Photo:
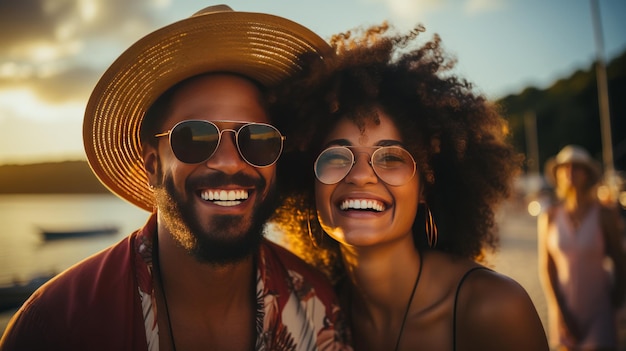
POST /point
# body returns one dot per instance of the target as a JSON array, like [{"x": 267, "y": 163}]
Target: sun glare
[
  {"x": 32, "y": 130},
  {"x": 88, "y": 10},
  {"x": 24, "y": 104},
  {"x": 44, "y": 53}
]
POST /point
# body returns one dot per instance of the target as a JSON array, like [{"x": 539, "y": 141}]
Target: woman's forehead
[{"x": 370, "y": 133}]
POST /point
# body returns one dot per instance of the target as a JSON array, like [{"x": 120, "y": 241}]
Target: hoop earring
[
  {"x": 311, "y": 235},
  {"x": 432, "y": 233}
]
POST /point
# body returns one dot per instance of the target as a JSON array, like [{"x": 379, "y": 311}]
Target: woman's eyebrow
[
  {"x": 346, "y": 142},
  {"x": 337, "y": 142},
  {"x": 389, "y": 142}
]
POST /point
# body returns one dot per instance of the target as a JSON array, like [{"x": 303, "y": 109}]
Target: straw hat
[
  {"x": 263, "y": 47},
  {"x": 572, "y": 154}
]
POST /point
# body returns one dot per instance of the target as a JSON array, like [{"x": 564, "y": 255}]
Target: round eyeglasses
[
  {"x": 394, "y": 165},
  {"x": 195, "y": 141}
]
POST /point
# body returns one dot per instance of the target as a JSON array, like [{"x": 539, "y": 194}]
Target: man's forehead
[{"x": 218, "y": 97}]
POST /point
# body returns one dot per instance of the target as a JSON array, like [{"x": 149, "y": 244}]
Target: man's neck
[
  {"x": 194, "y": 281},
  {"x": 206, "y": 304}
]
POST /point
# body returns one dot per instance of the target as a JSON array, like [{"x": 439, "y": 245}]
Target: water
[{"x": 25, "y": 255}]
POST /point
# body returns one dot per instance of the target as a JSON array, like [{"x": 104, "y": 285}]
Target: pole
[
  {"x": 532, "y": 152},
  {"x": 603, "y": 100}
]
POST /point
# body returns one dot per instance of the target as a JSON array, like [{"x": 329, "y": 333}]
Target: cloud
[
  {"x": 411, "y": 9},
  {"x": 71, "y": 84},
  {"x": 58, "y": 28},
  {"x": 56, "y": 48},
  {"x": 405, "y": 14},
  {"x": 52, "y": 53},
  {"x": 473, "y": 7}
]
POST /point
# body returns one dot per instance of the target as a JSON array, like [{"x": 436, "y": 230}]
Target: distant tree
[
  {"x": 70, "y": 177},
  {"x": 567, "y": 113}
]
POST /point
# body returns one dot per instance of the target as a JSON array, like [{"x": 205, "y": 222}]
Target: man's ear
[{"x": 150, "y": 163}]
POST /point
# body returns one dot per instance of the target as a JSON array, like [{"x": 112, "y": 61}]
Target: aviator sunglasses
[
  {"x": 394, "y": 165},
  {"x": 195, "y": 141}
]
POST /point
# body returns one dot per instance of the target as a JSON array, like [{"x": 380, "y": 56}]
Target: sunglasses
[
  {"x": 394, "y": 165},
  {"x": 195, "y": 141}
]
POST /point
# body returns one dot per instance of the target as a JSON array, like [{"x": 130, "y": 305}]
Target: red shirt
[{"x": 97, "y": 304}]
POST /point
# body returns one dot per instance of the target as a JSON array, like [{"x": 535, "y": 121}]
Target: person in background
[
  {"x": 179, "y": 126},
  {"x": 576, "y": 235},
  {"x": 402, "y": 167}
]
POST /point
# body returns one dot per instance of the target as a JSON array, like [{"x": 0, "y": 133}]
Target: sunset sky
[{"x": 52, "y": 52}]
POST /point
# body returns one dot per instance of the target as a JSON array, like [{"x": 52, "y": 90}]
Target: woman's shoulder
[
  {"x": 446, "y": 272},
  {"x": 493, "y": 305},
  {"x": 492, "y": 287},
  {"x": 472, "y": 281},
  {"x": 479, "y": 288},
  {"x": 490, "y": 297}
]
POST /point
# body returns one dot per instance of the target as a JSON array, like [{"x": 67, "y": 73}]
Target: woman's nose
[{"x": 362, "y": 172}]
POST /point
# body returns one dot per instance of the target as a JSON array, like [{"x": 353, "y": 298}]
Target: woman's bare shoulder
[
  {"x": 496, "y": 312},
  {"x": 491, "y": 288}
]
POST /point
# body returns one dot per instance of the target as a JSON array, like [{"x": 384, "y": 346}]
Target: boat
[
  {"x": 13, "y": 296},
  {"x": 56, "y": 234}
]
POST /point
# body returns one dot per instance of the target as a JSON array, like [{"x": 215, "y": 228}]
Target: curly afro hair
[{"x": 458, "y": 139}]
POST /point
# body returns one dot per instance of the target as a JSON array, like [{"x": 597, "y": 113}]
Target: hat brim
[
  {"x": 263, "y": 47},
  {"x": 551, "y": 164}
]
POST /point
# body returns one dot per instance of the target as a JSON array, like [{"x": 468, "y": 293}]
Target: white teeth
[
  {"x": 227, "y": 203},
  {"x": 224, "y": 197},
  {"x": 362, "y": 205}
]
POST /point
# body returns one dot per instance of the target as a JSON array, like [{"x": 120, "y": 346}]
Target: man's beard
[{"x": 228, "y": 239}]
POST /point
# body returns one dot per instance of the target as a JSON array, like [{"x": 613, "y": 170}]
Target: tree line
[{"x": 567, "y": 113}]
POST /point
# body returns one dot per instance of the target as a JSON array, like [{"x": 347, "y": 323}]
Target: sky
[{"x": 52, "y": 52}]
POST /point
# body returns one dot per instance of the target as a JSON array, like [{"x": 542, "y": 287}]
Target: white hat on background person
[{"x": 572, "y": 154}]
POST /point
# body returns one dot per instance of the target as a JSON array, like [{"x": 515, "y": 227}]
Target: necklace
[
  {"x": 408, "y": 305},
  {"x": 157, "y": 271}
]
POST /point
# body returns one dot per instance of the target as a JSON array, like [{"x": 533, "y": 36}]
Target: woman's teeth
[{"x": 362, "y": 205}]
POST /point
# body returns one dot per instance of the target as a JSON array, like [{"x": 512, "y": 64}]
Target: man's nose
[{"x": 227, "y": 158}]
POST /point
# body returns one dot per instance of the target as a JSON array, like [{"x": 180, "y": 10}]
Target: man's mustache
[{"x": 218, "y": 179}]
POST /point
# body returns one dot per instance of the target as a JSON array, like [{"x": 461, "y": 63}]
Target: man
[{"x": 178, "y": 126}]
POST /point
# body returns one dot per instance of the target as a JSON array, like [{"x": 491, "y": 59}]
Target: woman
[
  {"x": 576, "y": 234},
  {"x": 409, "y": 165}
]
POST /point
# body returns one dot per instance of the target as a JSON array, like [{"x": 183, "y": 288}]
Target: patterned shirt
[{"x": 107, "y": 302}]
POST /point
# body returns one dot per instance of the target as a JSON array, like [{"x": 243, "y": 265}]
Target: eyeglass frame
[
  {"x": 370, "y": 161},
  {"x": 219, "y": 138}
]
